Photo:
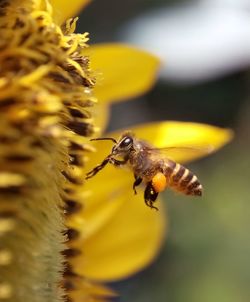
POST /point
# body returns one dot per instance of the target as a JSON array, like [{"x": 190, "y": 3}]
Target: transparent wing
[
  {"x": 171, "y": 133},
  {"x": 182, "y": 153}
]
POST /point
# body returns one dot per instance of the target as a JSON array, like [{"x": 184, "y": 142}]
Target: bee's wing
[{"x": 182, "y": 153}]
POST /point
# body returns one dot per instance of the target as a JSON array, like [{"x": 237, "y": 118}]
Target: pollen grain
[{"x": 159, "y": 182}]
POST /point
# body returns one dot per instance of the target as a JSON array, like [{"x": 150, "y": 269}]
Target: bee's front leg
[
  {"x": 150, "y": 196},
  {"x": 116, "y": 162},
  {"x": 98, "y": 168},
  {"x": 136, "y": 183},
  {"x": 107, "y": 160}
]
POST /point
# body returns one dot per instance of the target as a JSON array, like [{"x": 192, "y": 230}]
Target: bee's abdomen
[{"x": 183, "y": 180}]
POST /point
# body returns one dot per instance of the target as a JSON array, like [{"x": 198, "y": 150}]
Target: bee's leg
[
  {"x": 97, "y": 168},
  {"x": 136, "y": 183},
  {"x": 116, "y": 162},
  {"x": 150, "y": 196},
  {"x": 108, "y": 159}
]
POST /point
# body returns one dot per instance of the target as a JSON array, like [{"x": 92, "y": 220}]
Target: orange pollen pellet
[{"x": 159, "y": 182}]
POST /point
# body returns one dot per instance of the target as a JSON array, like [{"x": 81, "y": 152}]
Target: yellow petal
[
  {"x": 103, "y": 201},
  {"x": 101, "y": 114},
  {"x": 203, "y": 139},
  {"x": 122, "y": 71},
  {"x": 64, "y": 9},
  {"x": 83, "y": 290},
  {"x": 126, "y": 244},
  {"x": 104, "y": 196}
]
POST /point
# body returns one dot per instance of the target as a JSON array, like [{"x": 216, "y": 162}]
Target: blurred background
[{"x": 205, "y": 50}]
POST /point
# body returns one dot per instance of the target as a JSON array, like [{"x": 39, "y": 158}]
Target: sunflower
[{"x": 60, "y": 238}]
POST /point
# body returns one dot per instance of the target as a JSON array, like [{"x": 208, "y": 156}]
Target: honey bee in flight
[{"x": 151, "y": 166}]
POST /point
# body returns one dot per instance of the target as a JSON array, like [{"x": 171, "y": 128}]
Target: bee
[{"x": 151, "y": 166}]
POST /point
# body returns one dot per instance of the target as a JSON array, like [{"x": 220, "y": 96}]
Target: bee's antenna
[{"x": 104, "y": 139}]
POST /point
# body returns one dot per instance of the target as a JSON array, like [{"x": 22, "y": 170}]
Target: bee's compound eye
[{"x": 127, "y": 141}]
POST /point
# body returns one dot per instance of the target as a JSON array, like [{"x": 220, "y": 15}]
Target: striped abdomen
[{"x": 181, "y": 179}]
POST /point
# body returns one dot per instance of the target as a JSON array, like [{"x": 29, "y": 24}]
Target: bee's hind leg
[
  {"x": 136, "y": 183},
  {"x": 150, "y": 196}
]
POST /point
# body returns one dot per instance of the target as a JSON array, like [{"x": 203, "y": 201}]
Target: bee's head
[
  {"x": 121, "y": 147},
  {"x": 124, "y": 145}
]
